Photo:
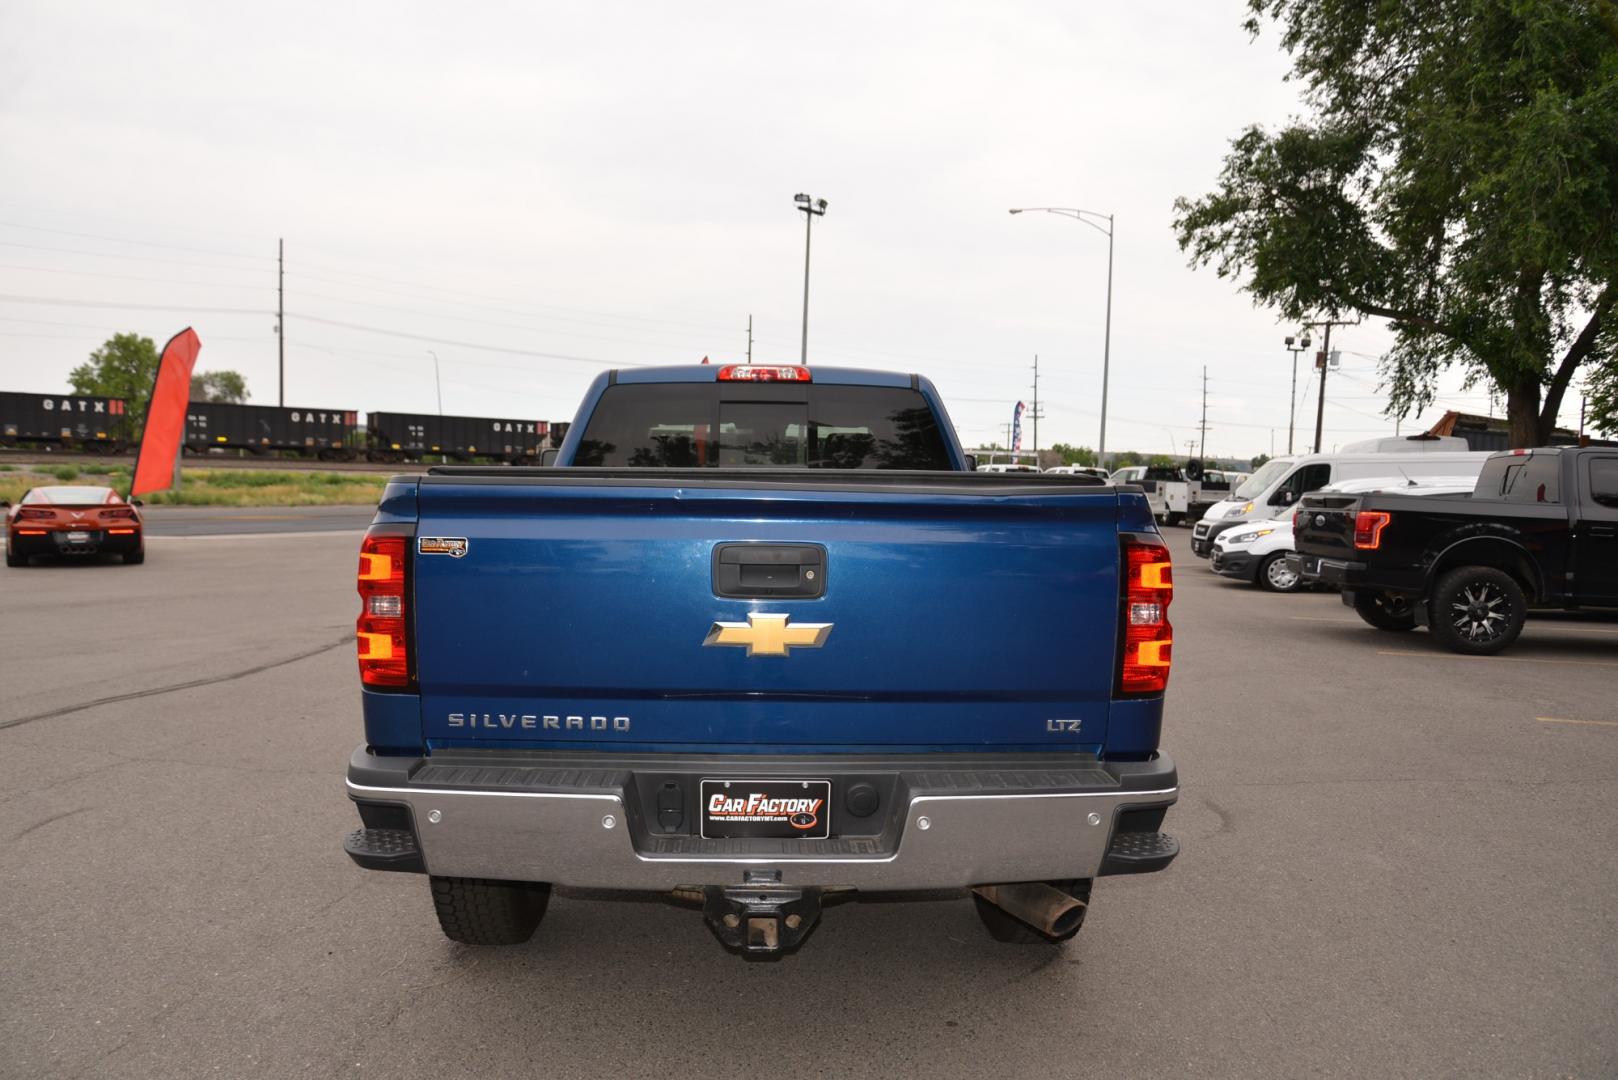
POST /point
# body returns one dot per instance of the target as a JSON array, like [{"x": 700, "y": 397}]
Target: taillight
[
  {"x": 121, "y": 513},
  {"x": 1148, "y": 639},
  {"x": 1297, "y": 519},
  {"x": 764, "y": 373},
  {"x": 1368, "y": 526},
  {"x": 380, "y": 629},
  {"x": 26, "y": 514}
]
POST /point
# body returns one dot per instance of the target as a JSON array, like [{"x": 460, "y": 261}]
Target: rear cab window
[
  {"x": 1534, "y": 478},
  {"x": 762, "y": 425}
]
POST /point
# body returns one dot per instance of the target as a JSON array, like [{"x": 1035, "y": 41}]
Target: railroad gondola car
[
  {"x": 262, "y": 429},
  {"x": 64, "y": 421},
  {"x": 395, "y": 436}
]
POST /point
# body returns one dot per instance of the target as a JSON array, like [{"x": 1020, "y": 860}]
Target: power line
[
  {"x": 128, "y": 277},
  {"x": 125, "y": 240},
  {"x": 463, "y": 344},
  {"x": 57, "y": 301},
  {"x": 136, "y": 258}
]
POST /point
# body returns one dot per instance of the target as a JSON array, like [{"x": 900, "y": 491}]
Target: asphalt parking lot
[{"x": 1397, "y": 862}]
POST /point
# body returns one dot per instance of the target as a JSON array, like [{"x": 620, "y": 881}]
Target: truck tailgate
[{"x": 582, "y": 613}]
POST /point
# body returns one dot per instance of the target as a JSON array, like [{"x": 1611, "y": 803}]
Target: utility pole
[
  {"x": 1322, "y": 359},
  {"x": 281, "y": 320},
  {"x": 1202, "y": 436},
  {"x": 1035, "y": 413},
  {"x": 750, "y": 339}
]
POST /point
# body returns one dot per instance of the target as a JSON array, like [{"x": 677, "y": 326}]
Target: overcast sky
[{"x": 536, "y": 192}]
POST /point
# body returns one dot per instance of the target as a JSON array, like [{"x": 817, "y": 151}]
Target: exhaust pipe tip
[{"x": 1049, "y": 910}]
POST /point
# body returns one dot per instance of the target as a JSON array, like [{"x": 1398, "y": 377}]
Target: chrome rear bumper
[{"x": 947, "y": 828}]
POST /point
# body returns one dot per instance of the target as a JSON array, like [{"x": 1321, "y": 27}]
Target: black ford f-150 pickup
[{"x": 1539, "y": 530}]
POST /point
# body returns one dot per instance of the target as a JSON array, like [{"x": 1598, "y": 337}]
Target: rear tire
[
  {"x": 1274, "y": 574},
  {"x": 16, "y": 560},
  {"x": 1173, "y": 519},
  {"x": 1013, "y": 931},
  {"x": 134, "y": 558},
  {"x": 1385, "y": 611},
  {"x": 1477, "y": 610},
  {"x": 476, "y": 911}
]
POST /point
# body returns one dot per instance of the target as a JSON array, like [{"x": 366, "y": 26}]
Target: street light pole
[
  {"x": 1086, "y": 216},
  {"x": 811, "y": 208},
  {"x": 436, "y": 382},
  {"x": 1292, "y": 402},
  {"x": 1106, "y": 343}
]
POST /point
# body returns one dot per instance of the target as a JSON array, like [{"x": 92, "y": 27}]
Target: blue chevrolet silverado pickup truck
[{"x": 760, "y": 637}]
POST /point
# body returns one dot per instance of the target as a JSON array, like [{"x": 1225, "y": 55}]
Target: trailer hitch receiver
[{"x": 760, "y": 920}]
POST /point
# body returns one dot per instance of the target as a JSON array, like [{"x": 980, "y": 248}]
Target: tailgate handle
[{"x": 755, "y": 571}]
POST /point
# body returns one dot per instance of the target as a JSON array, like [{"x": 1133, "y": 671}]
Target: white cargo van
[{"x": 1277, "y": 486}]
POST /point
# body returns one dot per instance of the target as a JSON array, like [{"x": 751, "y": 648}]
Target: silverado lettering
[{"x": 528, "y": 721}]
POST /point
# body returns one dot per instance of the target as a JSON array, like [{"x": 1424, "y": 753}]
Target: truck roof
[{"x": 701, "y": 373}]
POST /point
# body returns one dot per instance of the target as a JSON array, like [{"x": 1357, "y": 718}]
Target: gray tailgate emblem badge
[{"x": 453, "y": 546}]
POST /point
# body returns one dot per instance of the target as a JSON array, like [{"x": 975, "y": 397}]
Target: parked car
[
  {"x": 73, "y": 521},
  {"x": 1275, "y": 488},
  {"x": 1540, "y": 530},
  {"x": 716, "y": 650},
  {"x": 1262, "y": 552}
]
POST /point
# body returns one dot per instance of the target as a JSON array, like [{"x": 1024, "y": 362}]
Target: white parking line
[
  {"x": 1534, "y": 625},
  {"x": 349, "y": 533},
  {"x": 1494, "y": 659},
  {"x": 1558, "y": 720}
]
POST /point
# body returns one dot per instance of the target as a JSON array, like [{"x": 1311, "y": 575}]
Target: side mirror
[
  {"x": 136, "y": 502},
  {"x": 548, "y": 457},
  {"x": 5, "y": 505},
  {"x": 971, "y": 463},
  {"x": 1283, "y": 497}
]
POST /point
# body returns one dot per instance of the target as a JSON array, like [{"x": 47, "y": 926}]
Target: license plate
[
  {"x": 766, "y": 808},
  {"x": 78, "y": 538}
]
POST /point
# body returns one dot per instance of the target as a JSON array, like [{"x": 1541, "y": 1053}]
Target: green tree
[
  {"x": 1258, "y": 461},
  {"x": 1455, "y": 174},
  {"x": 1602, "y": 389},
  {"x": 225, "y": 387},
  {"x": 125, "y": 366},
  {"x": 1127, "y": 458},
  {"x": 1074, "y": 455}
]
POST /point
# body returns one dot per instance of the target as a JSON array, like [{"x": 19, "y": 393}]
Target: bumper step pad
[
  {"x": 1139, "y": 853},
  {"x": 385, "y": 849}
]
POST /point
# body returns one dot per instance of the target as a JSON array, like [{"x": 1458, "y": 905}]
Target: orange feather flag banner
[{"x": 165, "y": 414}]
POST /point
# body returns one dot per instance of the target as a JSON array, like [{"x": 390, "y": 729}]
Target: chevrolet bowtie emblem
[{"x": 769, "y": 635}]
